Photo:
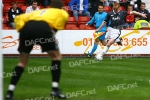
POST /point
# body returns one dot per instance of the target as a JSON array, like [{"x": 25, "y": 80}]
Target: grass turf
[{"x": 85, "y": 77}]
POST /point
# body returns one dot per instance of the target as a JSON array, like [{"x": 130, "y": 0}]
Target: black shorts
[{"x": 36, "y": 33}]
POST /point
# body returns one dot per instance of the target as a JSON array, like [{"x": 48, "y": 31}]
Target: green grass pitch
[{"x": 85, "y": 77}]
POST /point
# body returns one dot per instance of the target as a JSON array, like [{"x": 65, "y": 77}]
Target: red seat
[
  {"x": 7, "y": 4},
  {"x": 7, "y": 1},
  {"x": 83, "y": 20},
  {"x": 6, "y": 9},
  {"x": 72, "y": 20},
  {"x": 107, "y": 8},
  {"x": 23, "y": 8},
  {"x": 70, "y": 26},
  {"x": 74, "y": 28},
  {"x": 47, "y": 6},
  {"x": 83, "y": 27},
  {"x": 40, "y": 7},
  {"x": 20, "y": 4},
  {"x": 71, "y": 23},
  {"x": 121, "y": 8},
  {"x": 6, "y": 28},
  {"x": 89, "y": 28},
  {"x": 66, "y": 2},
  {"x": 20, "y": 1}
]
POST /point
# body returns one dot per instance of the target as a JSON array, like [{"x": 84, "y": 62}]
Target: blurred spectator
[
  {"x": 93, "y": 4},
  {"x": 12, "y": 13},
  {"x": 105, "y": 2},
  {"x": 79, "y": 8},
  {"x": 144, "y": 11},
  {"x": 141, "y": 23},
  {"x": 111, "y": 2},
  {"x": 129, "y": 21},
  {"x": 33, "y": 7},
  {"x": 134, "y": 3},
  {"x": 45, "y": 3}
]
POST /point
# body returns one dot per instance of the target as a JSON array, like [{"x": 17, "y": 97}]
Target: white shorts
[{"x": 112, "y": 33}]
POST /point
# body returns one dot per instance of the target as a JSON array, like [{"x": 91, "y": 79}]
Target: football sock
[
  {"x": 93, "y": 49},
  {"x": 55, "y": 86},
  {"x": 56, "y": 74},
  {"x": 15, "y": 77},
  {"x": 105, "y": 50}
]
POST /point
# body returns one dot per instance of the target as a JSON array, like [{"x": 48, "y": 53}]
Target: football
[{"x": 98, "y": 57}]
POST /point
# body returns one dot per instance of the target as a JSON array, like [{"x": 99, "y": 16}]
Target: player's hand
[
  {"x": 144, "y": 15},
  {"x": 86, "y": 24},
  {"x": 97, "y": 30}
]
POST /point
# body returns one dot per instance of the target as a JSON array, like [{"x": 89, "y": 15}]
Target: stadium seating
[
  {"x": 72, "y": 23},
  {"x": 107, "y": 8},
  {"x": 122, "y": 8},
  {"x": 23, "y": 8},
  {"x": 71, "y": 26},
  {"x": 40, "y": 7},
  {"x": 7, "y": 1},
  {"x": 66, "y": 2},
  {"x": 83, "y": 27},
  {"x": 6, "y": 8},
  {"x": 83, "y": 20}
]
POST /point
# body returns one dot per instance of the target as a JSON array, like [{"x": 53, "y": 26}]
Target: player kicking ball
[
  {"x": 42, "y": 25},
  {"x": 116, "y": 17},
  {"x": 98, "y": 18}
]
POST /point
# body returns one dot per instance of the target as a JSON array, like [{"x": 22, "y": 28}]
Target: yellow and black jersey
[{"x": 56, "y": 18}]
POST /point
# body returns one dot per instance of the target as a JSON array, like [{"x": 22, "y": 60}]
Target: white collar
[
  {"x": 14, "y": 11},
  {"x": 32, "y": 8}
]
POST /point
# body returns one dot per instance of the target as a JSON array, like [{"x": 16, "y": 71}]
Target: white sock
[
  {"x": 11, "y": 87},
  {"x": 105, "y": 50},
  {"x": 54, "y": 84}
]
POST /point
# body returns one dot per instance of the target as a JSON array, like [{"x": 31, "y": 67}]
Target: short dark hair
[
  {"x": 101, "y": 4},
  {"x": 33, "y": 1},
  {"x": 142, "y": 4},
  {"x": 56, "y": 4},
  {"x": 13, "y": 3},
  {"x": 130, "y": 5}
]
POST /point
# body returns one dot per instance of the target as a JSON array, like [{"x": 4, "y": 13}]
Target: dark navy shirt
[{"x": 115, "y": 19}]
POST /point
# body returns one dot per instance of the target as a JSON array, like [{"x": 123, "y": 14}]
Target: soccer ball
[{"x": 98, "y": 57}]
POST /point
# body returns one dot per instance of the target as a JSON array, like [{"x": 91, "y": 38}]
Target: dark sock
[
  {"x": 18, "y": 72},
  {"x": 55, "y": 89},
  {"x": 56, "y": 72}
]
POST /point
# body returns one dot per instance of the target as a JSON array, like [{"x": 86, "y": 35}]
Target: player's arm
[
  {"x": 137, "y": 13},
  {"x": 91, "y": 21},
  {"x": 104, "y": 23}
]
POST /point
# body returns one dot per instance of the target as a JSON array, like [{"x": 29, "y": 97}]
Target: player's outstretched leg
[
  {"x": 56, "y": 73},
  {"x": 17, "y": 72},
  {"x": 106, "y": 48}
]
